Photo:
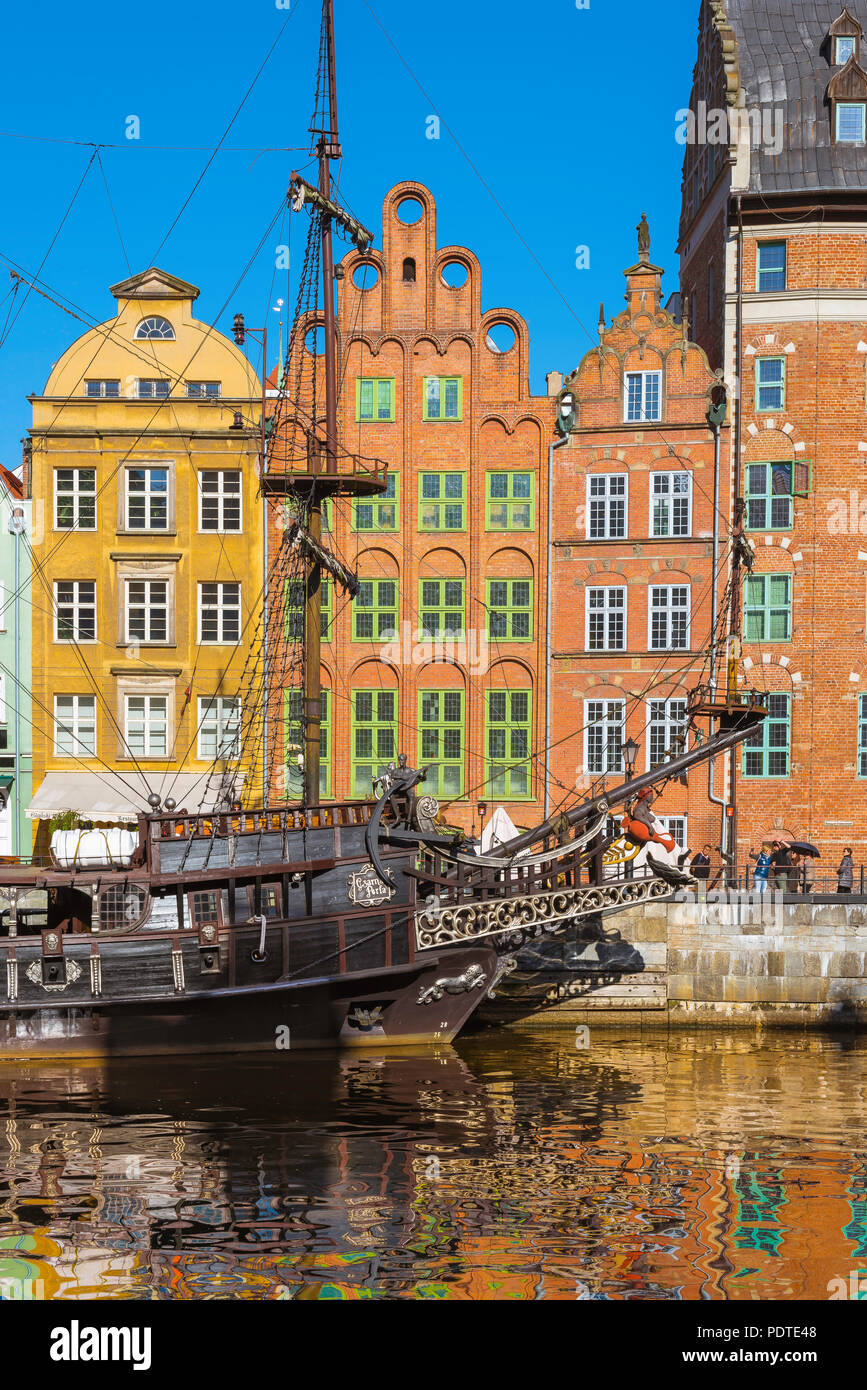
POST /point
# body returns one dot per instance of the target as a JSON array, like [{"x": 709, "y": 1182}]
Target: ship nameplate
[{"x": 367, "y": 889}]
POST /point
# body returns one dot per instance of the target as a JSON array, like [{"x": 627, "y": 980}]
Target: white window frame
[
  {"x": 218, "y": 713},
  {"x": 151, "y": 382},
  {"x": 669, "y": 610},
  {"x": 221, "y": 495},
  {"x": 73, "y": 727},
  {"x": 147, "y": 750},
  {"x": 147, "y": 496},
  {"x": 2, "y": 697},
  {"x": 221, "y": 608},
  {"x": 101, "y": 393},
  {"x": 667, "y": 823},
  {"x": 150, "y": 607},
  {"x": 607, "y": 500},
  {"x": 76, "y": 494},
  {"x": 642, "y": 418},
  {"x": 668, "y": 498},
  {"x": 76, "y": 607},
  {"x": 203, "y": 394},
  {"x": 668, "y": 724},
  {"x": 608, "y": 610},
  {"x": 843, "y": 38},
  {"x": 605, "y": 723}
]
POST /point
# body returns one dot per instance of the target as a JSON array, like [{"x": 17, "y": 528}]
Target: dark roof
[{"x": 784, "y": 61}]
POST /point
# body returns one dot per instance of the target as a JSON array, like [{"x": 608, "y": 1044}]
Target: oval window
[
  {"x": 454, "y": 274},
  {"x": 500, "y": 337},
  {"x": 410, "y": 211},
  {"x": 365, "y": 275}
]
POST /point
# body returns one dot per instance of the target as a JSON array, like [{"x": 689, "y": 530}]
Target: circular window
[
  {"x": 155, "y": 328},
  {"x": 410, "y": 211},
  {"x": 500, "y": 337},
  {"x": 454, "y": 274},
  {"x": 314, "y": 340},
  {"x": 365, "y": 276},
  {"x": 123, "y": 907}
]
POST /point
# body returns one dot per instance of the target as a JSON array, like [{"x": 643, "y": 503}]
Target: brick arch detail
[
  {"x": 766, "y": 541},
  {"x": 769, "y": 661},
  {"x": 778, "y": 425}
]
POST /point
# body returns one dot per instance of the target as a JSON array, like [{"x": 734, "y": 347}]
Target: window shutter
[{"x": 800, "y": 479}]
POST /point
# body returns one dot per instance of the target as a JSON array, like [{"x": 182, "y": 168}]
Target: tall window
[
  {"x": 374, "y": 736},
  {"x": 769, "y": 497},
  {"x": 294, "y": 744},
  {"x": 147, "y": 610},
  {"x": 203, "y": 390},
  {"x": 155, "y": 327},
  {"x": 508, "y": 741},
  {"x": 669, "y": 617},
  {"x": 606, "y": 506},
  {"x": 374, "y": 398},
  {"x": 441, "y": 607},
  {"x": 75, "y": 726},
  {"x": 671, "y": 500},
  {"x": 862, "y": 735},
  {"x": 603, "y": 735},
  {"x": 220, "y": 500},
  {"x": 219, "y": 726},
  {"x": 153, "y": 389},
  {"x": 443, "y": 397},
  {"x": 605, "y": 617},
  {"x": 771, "y": 266},
  {"x": 75, "y": 610},
  {"x": 75, "y": 499},
  {"x": 766, "y": 754},
  {"x": 510, "y": 501},
  {"x": 374, "y": 610},
  {"x": 510, "y": 610},
  {"x": 844, "y": 49},
  {"x": 441, "y": 741},
  {"x": 147, "y": 725},
  {"x": 643, "y": 396},
  {"x": 768, "y": 608},
  {"x": 294, "y": 607},
  {"x": 220, "y": 613},
  {"x": 770, "y": 383},
  {"x": 147, "y": 499},
  {"x": 850, "y": 122},
  {"x": 666, "y": 727},
  {"x": 379, "y": 513},
  {"x": 107, "y": 389},
  {"x": 441, "y": 501}
]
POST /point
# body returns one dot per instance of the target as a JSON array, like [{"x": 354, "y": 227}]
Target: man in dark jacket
[
  {"x": 780, "y": 864},
  {"x": 700, "y": 865}
]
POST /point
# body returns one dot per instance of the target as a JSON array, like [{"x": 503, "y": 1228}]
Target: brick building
[
  {"x": 773, "y": 244},
  {"x": 441, "y": 655},
  {"x": 632, "y": 567}
]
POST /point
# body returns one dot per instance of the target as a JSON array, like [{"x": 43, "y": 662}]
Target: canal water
[{"x": 518, "y": 1165}]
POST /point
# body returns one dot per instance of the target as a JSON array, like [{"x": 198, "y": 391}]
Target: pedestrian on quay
[
  {"x": 808, "y": 873},
  {"x": 846, "y": 872},
  {"x": 780, "y": 862},
  {"x": 794, "y": 871},
  {"x": 762, "y": 871},
  {"x": 700, "y": 866}
]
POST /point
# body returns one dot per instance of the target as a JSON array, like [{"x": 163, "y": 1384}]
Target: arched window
[
  {"x": 155, "y": 328},
  {"x": 409, "y": 271}
]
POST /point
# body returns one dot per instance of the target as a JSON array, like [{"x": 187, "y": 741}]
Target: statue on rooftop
[{"x": 643, "y": 230}]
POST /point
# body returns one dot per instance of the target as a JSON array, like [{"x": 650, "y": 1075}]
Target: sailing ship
[{"x": 281, "y": 919}]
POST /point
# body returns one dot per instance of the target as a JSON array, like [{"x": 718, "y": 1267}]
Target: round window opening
[
  {"x": 314, "y": 340},
  {"x": 410, "y": 211},
  {"x": 365, "y": 276},
  {"x": 454, "y": 274},
  {"x": 500, "y": 337}
]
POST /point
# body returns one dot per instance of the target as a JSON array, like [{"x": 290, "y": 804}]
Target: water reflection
[{"x": 688, "y": 1167}]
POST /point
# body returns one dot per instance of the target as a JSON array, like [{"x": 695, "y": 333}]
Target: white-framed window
[
  {"x": 220, "y": 613},
  {"x": 219, "y": 726},
  {"x": 109, "y": 389},
  {"x": 607, "y": 495},
  {"x": 74, "y": 610},
  {"x": 153, "y": 388},
  {"x": 667, "y": 723},
  {"x": 677, "y": 827},
  {"x": 75, "y": 726},
  {"x": 603, "y": 736},
  {"x": 605, "y": 618},
  {"x": 844, "y": 49},
  {"x": 146, "y": 725},
  {"x": 2, "y": 697},
  {"x": 147, "y": 610},
  {"x": 668, "y": 624},
  {"x": 220, "y": 499},
  {"x": 75, "y": 499},
  {"x": 670, "y": 504},
  {"x": 203, "y": 390},
  {"x": 642, "y": 397},
  {"x": 155, "y": 327},
  {"x": 147, "y": 499},
  {"x": 850, "y": 122}
]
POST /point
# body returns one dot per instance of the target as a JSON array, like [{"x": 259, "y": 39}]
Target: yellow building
[{"x": 148, "y": 545}]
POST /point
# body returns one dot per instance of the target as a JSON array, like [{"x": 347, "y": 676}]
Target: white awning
[{"x": 123, "y": 796}]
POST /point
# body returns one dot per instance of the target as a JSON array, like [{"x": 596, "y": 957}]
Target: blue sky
[{"x": 534, "y": 94}]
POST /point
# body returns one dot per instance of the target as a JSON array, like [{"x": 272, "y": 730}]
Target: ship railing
[
  {"x": 269, "y": 819},
  {"x": 458, "y": 881}
]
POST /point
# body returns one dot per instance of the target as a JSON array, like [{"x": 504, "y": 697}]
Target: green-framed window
[
  {"x": 508, "y": 740},
  {"x": 441, "y": 741},
  {"x": 293, "y": 610},
  {"x": 770, "y": 266},
  {"x": 442, "y": 501},
  {"x": 770, "y": 490},
  {"x": 374, "y": 610},
  {"x": 374, "y": 398},
  {"x": 510, "y": 610},
  {"x": 768, "y": 608},
  {"x": 766, "y": 754},
  {"x": 290, "y": 513},
  {"x": 293, "y": 743},
  {"x": 441, "y": 607},
  {"x": 373, "y": 735},
  {"x": 862, "y": 735},
  {"x": 510, "y": 500},
  {"x": 443, "y": 398},
  {"x": 770, "y": 384},
  {"x": 379, "y": 513}
]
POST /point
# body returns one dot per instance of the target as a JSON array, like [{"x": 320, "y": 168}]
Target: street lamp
[{"x": 630, "y": 753}]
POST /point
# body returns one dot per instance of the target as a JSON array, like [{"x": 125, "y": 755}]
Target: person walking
[
  {"x": 846, "y": 872},
  {"x": 780, "y": 862},
  {"x": 794, "y": 871},
  {"x": 762, "y": 871},
  {"x": 808, "y": 873}
]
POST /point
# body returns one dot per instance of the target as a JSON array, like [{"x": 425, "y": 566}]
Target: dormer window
[
  {"x": 850, "y": 122},
  {"x": 155, "y": 328},
  {"x": 844, "y": 49},
  {"x": 847, "y": 90}
]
